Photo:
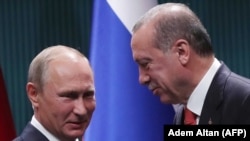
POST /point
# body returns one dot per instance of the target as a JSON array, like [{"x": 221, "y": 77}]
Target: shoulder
[
  {"x": 30, "y": 133},
  {"x": 231, "y": 81},
  {"x": 233, "y": 88}
]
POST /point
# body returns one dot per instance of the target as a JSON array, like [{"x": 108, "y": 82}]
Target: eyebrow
[
  {"x": 142, "y": 60},
  {"x": 74, "y": 91}
]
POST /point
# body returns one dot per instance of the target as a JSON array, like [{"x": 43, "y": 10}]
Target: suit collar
[
  {"x": 211, "y": 113},
  {"x": 30, "y": 133}
]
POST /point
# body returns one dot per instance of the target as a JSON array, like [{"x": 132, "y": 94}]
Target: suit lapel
[
  {"x": 211, "y": 111},
  {"x": 30, "y": 133}
]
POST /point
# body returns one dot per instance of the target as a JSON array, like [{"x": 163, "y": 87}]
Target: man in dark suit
[
  {"x": 176, "y": 61},
  {"x": 61, "y": 90}
]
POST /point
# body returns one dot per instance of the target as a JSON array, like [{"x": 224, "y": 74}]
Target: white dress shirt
[{"x": 196, "y": 99}]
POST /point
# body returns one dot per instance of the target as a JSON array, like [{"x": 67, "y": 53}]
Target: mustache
[{"x": 152, "y": 86}]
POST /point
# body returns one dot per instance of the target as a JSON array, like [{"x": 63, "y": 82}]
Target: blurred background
[{"x": 28, "y": 26}]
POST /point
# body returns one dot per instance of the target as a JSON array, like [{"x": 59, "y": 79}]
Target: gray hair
[
  {"x": 38, "y": 69},
  {"x": 173, "y": 21}
]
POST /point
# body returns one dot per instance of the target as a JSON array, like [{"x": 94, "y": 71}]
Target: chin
[
  {"x": 165, "y": 100},
  {"x": 75, "y": 134}
]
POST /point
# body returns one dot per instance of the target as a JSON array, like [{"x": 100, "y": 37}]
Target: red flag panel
[{"x": 7, "y": 129}]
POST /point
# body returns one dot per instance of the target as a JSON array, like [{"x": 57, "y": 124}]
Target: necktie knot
[{"x": 189, "y": 117}]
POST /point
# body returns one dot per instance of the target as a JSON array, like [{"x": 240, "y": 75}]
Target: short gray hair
[
  {"x": 171, "y": 25},
  {"x": 38, "y": 68}
]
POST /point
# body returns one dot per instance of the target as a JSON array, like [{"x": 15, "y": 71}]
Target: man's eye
[
  {"x": 70, "y": 95},
  {"x": 144, "y": 65},
  {"x": 89, "y": 94}
]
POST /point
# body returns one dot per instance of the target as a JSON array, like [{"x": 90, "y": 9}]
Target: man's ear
[
  {"x": 32, "y": 93},
  {"x": 182, "y": 48}
]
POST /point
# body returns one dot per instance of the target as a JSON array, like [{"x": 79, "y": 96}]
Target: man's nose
[
  {"x": 80, "y": 108},
  {"x": 143, "y": 78}
]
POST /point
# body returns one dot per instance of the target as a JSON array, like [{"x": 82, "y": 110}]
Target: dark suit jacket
[
  {"x": 227, "y": 100},
  {"x": 30, "y": 133}
]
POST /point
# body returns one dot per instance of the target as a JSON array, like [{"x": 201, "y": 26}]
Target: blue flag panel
[{"x": 125, "y": 110}]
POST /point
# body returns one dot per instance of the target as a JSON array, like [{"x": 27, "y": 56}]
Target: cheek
[
  {"x": 90, "y": 105},
  {"x": 61, "y": 108},
  {"x": 160, "y": 74},
  {"x": 62, "y": 113},
  {"x": 46, "y": 101},
  {"x": 163, "y": 76}
]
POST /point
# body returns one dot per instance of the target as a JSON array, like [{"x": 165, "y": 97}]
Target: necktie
[{"x": 189, "y": 117}]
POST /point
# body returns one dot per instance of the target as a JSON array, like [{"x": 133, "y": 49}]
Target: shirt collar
[{"x": 196, "y": 99}]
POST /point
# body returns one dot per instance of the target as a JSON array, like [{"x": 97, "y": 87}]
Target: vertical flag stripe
[
  {"x": 7, "y": 130},
  {"x": 125, "y": 110},
  {"x": 129, "y": 11}
]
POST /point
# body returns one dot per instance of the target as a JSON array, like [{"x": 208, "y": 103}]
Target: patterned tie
[{"x": 189, "y": 117}]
